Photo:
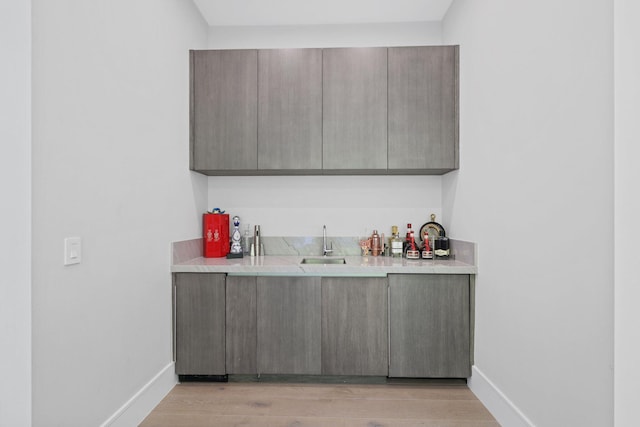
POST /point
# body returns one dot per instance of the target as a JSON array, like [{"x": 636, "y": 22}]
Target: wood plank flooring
[{"x": 315, "y": 405}]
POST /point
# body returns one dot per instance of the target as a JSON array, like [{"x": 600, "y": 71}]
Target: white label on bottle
[
  {"x": 442, "y": 252},
  {"x": 396, "y": 247},
  {"x": 413, "y": 254}
]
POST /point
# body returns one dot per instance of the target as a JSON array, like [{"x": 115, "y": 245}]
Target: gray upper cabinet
[
  {"x": 224, "y": 120},
  {"x": 325, "y": 111},
  {"x": 200, "y": 323},
  {"x": 289, "y": 325},
  {"x": 290, "y": 109},
  {"x": 354, "y": 326},
  {"x": 355, "y": 109},
  {"x": 429, "y": 318},
  {"x": 423, "y": 108}
]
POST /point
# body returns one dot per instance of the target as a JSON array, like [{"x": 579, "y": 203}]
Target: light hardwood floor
[{"x": 315, "y": 405}]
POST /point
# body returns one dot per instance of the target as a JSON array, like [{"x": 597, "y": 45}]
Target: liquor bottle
[
  {"x": 442, "y": 248},
  {"x": 426, "y": 251},
  {"x": 412, "y": 251},
  {"x": 395, "y": 243}
]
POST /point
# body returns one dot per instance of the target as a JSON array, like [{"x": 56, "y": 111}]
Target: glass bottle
[
  {"x": 246, "y": 239},
  {"x": 426, "y": 251},
  {"x": 442, "y": 248},
  {"x": 411, "y": 251},
  {"x": 395, "y": 243}
]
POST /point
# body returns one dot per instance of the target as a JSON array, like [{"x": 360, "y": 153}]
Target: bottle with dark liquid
[
  {"x": 411, "y": 249},
  {"x": 442, "y": 248},
  {"x": 426, "y": 252}
]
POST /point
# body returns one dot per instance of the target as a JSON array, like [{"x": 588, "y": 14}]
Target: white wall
[
  {"x": 15, "y": 218},
  {"x": 339, "y": 35},
  {"x": 110, "y": 165},
  {"x": 349, "y": 206},
  {"x": 535, "y": 190},
  {"x": 627, "y": 211}
]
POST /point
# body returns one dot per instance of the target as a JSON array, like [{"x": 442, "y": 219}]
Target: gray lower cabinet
[
  {"x": 354, "y": 326},
  {"x": 224, "y": 118},
  {"x": 290, "y": 109},
  {"x": 241, "y": 331},
  {"x": 200, "y": 323},
  {"x": 429, "y": 322},
  {"x": 354, "y": 109},
  {"x": 289, "y": 325},
  {"x": 406, "y": 325},
  {"x": 423, "y": 108}
]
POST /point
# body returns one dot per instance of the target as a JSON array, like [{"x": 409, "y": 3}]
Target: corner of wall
[
  {"x": 136, "y": 409},
  {"x": 502, "y": 409}
]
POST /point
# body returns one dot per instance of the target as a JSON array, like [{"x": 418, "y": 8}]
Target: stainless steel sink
[{"x": 323, "y": 260}]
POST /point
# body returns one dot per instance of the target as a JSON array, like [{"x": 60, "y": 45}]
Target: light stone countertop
[{"x": 356, "y": 266}]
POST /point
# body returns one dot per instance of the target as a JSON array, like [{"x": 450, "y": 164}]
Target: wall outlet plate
[{"x": 72, "y": 250}]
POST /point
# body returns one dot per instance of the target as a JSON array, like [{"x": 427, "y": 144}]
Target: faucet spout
[{"x": 325, "y": 250}]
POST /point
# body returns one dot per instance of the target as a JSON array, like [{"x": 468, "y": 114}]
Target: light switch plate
[{"x": 72, "y": 250}]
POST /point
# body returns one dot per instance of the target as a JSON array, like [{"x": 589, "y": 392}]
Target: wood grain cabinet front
[
  {"x": 224, "y": 118},
  {"x": 354, "y": 88},
  {"x": 405, "y": 325},
  {"x": 429, "y": 318},
  {"x": 289, "y": 327},
  {"x": 200, "y": 324},
  {"x": 354, "y": 326},
  {"x": 423, "y": 108},
  {"x": 325, "y": 111},
  {"x": 241, "y": 330},
  {"x": 290, "y": 110}
]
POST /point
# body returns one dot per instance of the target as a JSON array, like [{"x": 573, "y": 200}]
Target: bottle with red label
[
  {"x": 411, "y": 249},
  {"x": 426, "y": 250}
]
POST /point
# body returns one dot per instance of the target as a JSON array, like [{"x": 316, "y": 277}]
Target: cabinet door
[
  {"x": 200, "y": 324},
  {"x": 224, "y": 96},
  {"x": 290, "y": 109},
  {"x": 354, "y": 109},
  {"x": 289, "y": 325},
  {"x": 429, "y": 326},
  {"x": 354, "y": 326},
  {"x": 241, "y": 331},
  {"x": 423, "y": 108}
]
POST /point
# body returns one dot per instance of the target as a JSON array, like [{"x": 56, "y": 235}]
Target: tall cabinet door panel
[
  {"x": 354, "y": 326},
  {"x": 423, "y": 107},
  {"x": 290, "y": 109},
  {"x": 289, "y": 325},
  {"x": 429, "y": 326},
  {"x": 354, "y": 109},
  {"x": 224, "y": 95},
  {"x": 241, "y": 332},
  {"x": 200, "y": 323}
]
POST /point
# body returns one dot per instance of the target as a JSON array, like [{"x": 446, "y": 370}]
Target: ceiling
[{"x": 317, "y": 12}]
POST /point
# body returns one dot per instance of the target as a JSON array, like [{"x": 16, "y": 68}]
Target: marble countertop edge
[{"x": 356, "y": 266}]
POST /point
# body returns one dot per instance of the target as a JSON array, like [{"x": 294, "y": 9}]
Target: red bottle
[
  {"x": 411, "y": 251},
  {"x": 427, "y": 252}
]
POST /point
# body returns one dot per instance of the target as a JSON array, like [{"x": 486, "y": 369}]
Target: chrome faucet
[{"x": 325, "y": 250}]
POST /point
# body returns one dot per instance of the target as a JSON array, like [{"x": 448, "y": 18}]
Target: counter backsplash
[{"x": 312, "y": 246}]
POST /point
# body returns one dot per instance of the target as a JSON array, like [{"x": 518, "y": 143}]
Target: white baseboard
[
  {"x": 503, "y": 409},
  {"x": 142, "y": 403}
]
